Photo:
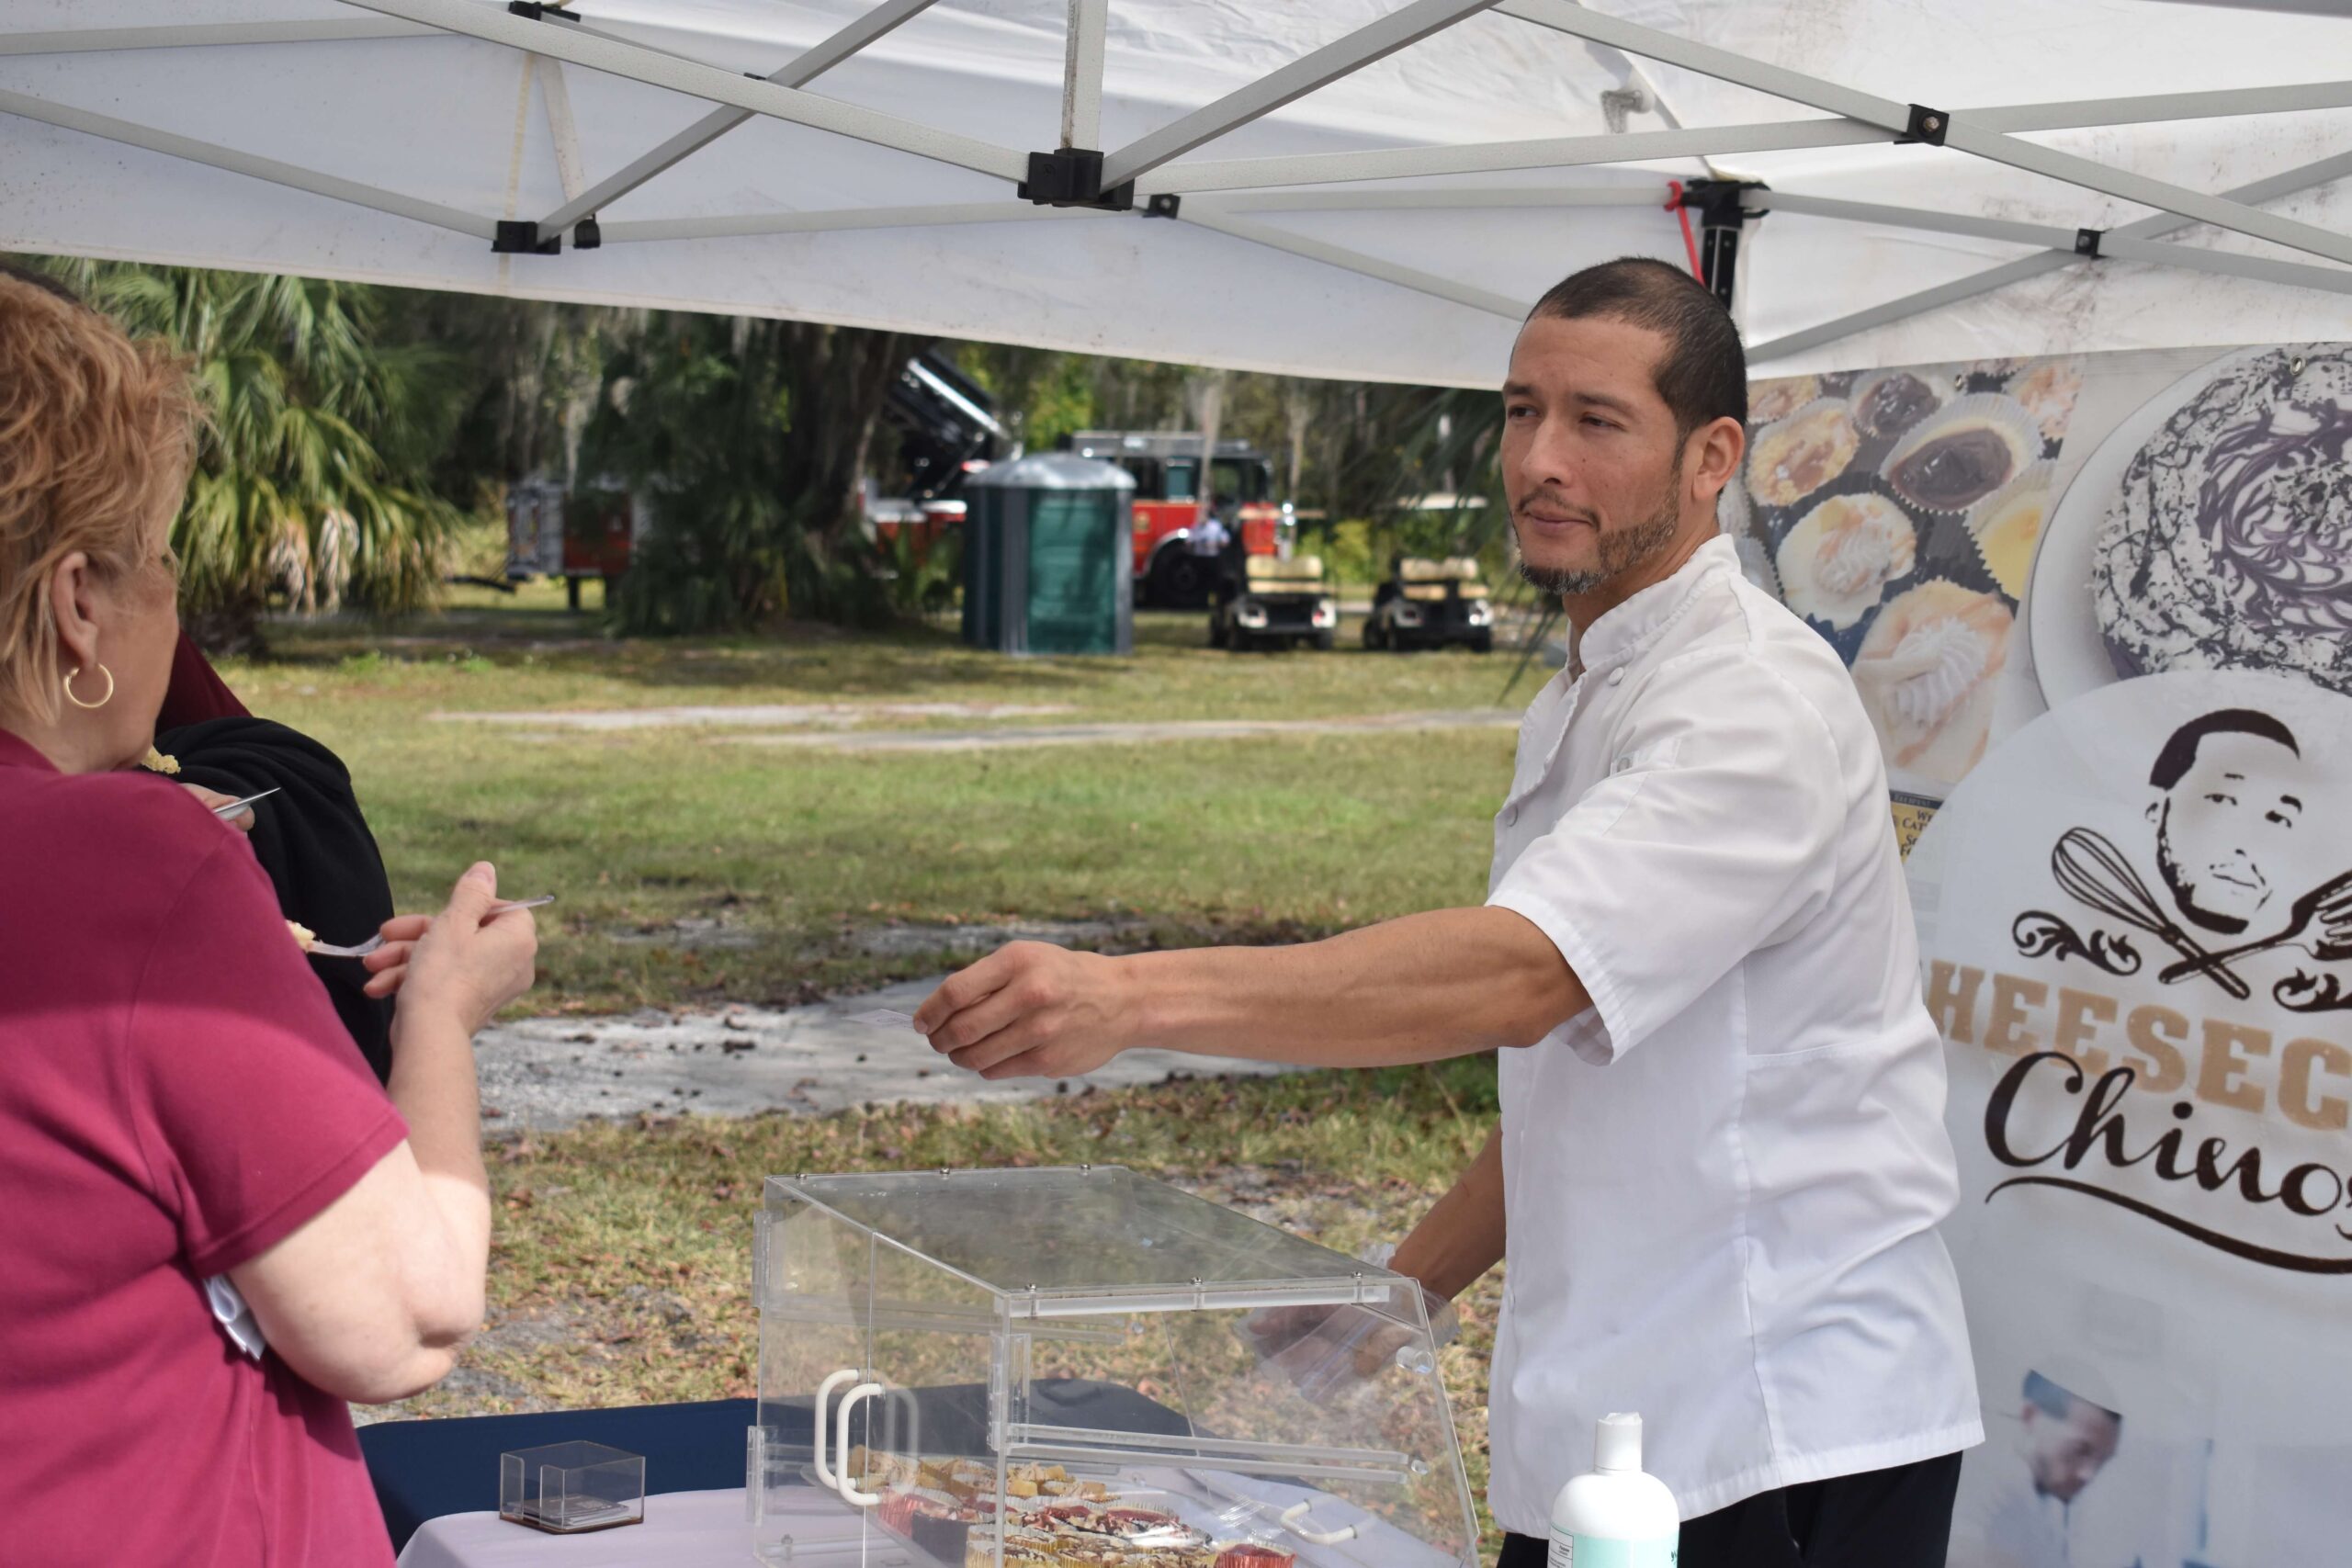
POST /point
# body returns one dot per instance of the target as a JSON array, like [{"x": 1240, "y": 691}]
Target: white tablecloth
[{"x": 682, "y": 1529}]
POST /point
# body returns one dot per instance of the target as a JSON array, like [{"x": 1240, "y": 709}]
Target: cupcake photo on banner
[{"x": 1898, "y": 511}]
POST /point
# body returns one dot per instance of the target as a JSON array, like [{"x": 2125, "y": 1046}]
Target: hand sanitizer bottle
[{"x": 1616, "y": 1517}]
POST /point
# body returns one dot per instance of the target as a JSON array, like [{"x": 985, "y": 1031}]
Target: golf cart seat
[
  {"x": 1431, "y": 604},
  {"x": 1265, "y": 601}
]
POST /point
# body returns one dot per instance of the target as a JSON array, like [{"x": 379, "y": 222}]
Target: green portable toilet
[{"x": 1048, "y": 559}]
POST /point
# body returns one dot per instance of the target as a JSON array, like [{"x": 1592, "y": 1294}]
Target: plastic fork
[
  {"x": 229, "y": 811},
  {"x": 328, "y": 950}
]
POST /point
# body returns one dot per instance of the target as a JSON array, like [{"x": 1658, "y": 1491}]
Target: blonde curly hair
[{"x": 96, "y": 438}]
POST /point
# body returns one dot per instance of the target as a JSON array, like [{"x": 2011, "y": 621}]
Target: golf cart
[
  {"x": 1265, "y": 601},
  {"x": 1430, "y": 603}
]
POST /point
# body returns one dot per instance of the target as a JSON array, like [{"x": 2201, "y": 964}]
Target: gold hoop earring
[{"x": 102, "y": 701}]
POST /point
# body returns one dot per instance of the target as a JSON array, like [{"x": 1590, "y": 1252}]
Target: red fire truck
[{"x": 1169, "y": 572}]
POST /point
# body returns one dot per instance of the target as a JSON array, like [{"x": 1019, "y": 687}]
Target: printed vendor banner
[{"x": 2101, "y": 611}]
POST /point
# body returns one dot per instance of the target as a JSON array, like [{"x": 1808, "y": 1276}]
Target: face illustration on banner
[{"x": 2233, "y": 788}]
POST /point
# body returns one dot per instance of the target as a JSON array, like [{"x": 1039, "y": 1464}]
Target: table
[
  {"x": 682, "y": 1529},
  {"x": 423, "y": 1470}
]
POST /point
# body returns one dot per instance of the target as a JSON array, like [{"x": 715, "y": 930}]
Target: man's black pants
[{"x": 1881, "y": 1518}]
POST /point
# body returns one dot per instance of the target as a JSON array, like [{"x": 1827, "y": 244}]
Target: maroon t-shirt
[{"x": 176, "y": 1097}]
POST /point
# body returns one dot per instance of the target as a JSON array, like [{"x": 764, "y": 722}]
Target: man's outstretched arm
[{"x": 1449, "y": 983}]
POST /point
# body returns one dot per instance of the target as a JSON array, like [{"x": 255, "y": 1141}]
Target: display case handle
[
  {"x": 817, "y": 1430},
  {"x": 1294, "y": 1520},
  {"x": 850, "y": 1401}
]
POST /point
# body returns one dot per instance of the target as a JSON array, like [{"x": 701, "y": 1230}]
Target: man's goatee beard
[{"x": 1620, "y": 552}]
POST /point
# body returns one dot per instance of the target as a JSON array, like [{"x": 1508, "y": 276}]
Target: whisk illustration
[{"x": 2091, "y": 870}]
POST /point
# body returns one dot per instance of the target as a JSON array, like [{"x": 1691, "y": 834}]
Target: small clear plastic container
[{"x": 568, "y": 1488}]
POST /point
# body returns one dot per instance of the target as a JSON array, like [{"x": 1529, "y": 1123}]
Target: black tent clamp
[
  {"x": 1073, "y": 176},
  {"x": 1722, "y": 215}
]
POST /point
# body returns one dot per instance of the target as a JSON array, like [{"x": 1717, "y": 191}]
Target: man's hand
[{"x": 1030, "y": 1009}]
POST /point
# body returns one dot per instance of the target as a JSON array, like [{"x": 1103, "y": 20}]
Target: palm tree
[
  {"x": 311, "y": 471},
  {"x": 750, "y": 436}
]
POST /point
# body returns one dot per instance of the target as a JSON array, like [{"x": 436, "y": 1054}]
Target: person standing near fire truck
[{"x": 1722, "y": 1158}]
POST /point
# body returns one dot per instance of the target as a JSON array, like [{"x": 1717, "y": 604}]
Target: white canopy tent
[{"x": 1362, "y": 188}]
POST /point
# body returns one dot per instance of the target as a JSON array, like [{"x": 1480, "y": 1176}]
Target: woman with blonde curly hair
[{"x": 184, "y": 1123}]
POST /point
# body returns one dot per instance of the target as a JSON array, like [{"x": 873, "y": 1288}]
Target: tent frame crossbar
[
  {"x": 2273, "y": 187},
  {"x": 1287, "y": 84},
  {"x": 1944, "y": 128},
  {"x": 1236, "y": 226},
  {"x": 251, "y": 164},
  {"x": 799, "y": 71},
  {"x": 656, "y": 69},
  {"x": 2078, "y": 242}
]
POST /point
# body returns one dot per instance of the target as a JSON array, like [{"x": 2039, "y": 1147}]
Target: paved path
[
  {"x": 542, "y": 1074},
  {"x": 755, "y": 716},
  {"x": 839, "y": 735},
  {"x": 1131, "y": 734}
]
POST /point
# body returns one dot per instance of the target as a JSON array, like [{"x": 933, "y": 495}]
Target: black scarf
[{"x": 314, "y": 842}]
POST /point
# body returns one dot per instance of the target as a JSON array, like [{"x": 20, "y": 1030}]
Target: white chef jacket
[{"x": 1722, "y": 1179}]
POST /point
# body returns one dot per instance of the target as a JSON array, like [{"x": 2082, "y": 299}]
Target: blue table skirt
[{"x": 425, "y": 1469}]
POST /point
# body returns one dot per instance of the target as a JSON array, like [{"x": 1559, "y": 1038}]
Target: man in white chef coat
[{"x": 1722, "y": 1158}]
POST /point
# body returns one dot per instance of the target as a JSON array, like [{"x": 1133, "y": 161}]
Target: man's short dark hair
[
  {"x": 2058, "y": 1401},
  {"x": 2180, "y": 754},
  {"x": 1704, "y": 376}
]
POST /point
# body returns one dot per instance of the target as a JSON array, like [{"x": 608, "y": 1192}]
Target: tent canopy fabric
[{"x": 1373, "y": 189}]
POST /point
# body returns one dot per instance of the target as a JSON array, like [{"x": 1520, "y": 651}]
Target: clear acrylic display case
[{"x": 1081, "y": 1368}]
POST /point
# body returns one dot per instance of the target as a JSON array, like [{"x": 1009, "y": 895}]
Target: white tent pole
[
  {"x": 2053, "y": 237},
  {"x": 1241, "y": 227},
  {"x": 2220, "y": 213},
  {"x": 1769, "y": 136},
  {"x": 1957, "y": 132},
  {"x": 207, "y": 35},
  {"x": 217, "y": 35},
  {"x": 1373, "y": 41},
  {"x": 708, "y": 82},
  {"x": 2271, "y": 188},
  {"x": 1493, "y": 157},
  {"x": 270, "y": 169},
  {"x": 562, "y": 130},
  {"x": 802, "y": 70},
  {"x": 1082, "y": 74},
  {"x": 2154, "y": 107},
  {"x": 840, "y": 221},
  {"x": 1474, "y": 199}
]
